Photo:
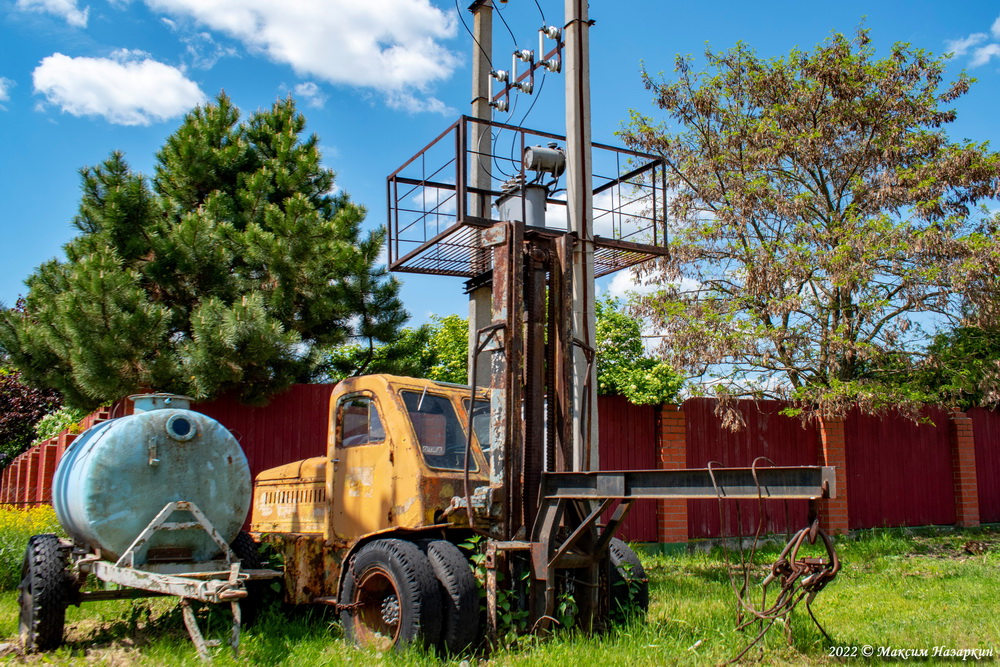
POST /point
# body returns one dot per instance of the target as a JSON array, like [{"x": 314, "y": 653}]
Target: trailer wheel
[
  {"x": 43, "y": 592},
  {"x": 629, "y": 585},
  {"x": 459, "y": 594},
  {"x": 390, "y": 596},
  {"x": 247, "y": 552}
]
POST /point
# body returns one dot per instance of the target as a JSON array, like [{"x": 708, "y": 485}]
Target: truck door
[{"x": 360, "y": 468}]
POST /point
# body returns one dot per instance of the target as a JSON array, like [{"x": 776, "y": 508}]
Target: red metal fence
[
  {"x": 291, "y": 427},
  {"x": 783, "y": 440},
  {"x": 899, "y": 473},
  {"x": 986, "y": 432},
  {"x": 627, "y": 437}
]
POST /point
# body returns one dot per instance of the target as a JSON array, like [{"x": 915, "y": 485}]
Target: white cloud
[
  {"x": 393, "y": 46},
  {"x": 980, "y": 54},
  {"x": 65, "y": 9},
  {"x": 961, "y": 46},
  {"x": 311, "y": 93},
  {"x": 129, "y": 88},
  {"x": 200, "y": 47},
  {"x": 984, "y": 54},
  {"x": 5, "y": 86}
]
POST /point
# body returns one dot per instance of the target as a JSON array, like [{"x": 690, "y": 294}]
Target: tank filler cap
[{"x": 148, "y": 402}]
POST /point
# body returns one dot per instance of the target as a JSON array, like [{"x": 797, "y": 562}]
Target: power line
[
  {"x": 464, "y": 25},
  {"x": 504, "y": 21},
  {"x": 544, "y": 22}
]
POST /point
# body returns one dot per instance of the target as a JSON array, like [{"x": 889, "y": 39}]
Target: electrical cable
[
  {"x": 504, "y": 21},
  {"x": 464, "y": 25},
  {"x": 544, "y": 22},
  {"x": 520, "y": 124}
]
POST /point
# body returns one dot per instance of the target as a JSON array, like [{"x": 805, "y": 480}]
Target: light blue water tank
[{"x": 117, "y": 476}]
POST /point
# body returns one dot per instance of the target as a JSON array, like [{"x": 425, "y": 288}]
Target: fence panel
[
  {"x": 628, "y": 442},
  {"x": 291, "y": 427},
  {"x": 899, "y": 473},
  {"x": 784, "y": 440},
  {"x": 986, "y": 430}
]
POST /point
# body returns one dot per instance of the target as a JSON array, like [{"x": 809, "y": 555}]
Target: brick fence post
[
  {"x": 672, "y": 515},
  {"x": 963, "y": 465},
  {"x": 833, "y": 452}
]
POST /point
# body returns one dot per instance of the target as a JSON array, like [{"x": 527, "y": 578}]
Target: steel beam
[{"x": 729, "y": 483}]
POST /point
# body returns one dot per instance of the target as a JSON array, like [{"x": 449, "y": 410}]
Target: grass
[{"x": 898, "y": 589}]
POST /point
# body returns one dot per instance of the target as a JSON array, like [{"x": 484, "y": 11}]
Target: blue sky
[{"x": 376, "y": 80}]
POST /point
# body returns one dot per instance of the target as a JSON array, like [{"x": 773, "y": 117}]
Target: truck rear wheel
[
  {"x": 459, "y": 594},
  {"x": 629, "y": 585},
  {"x": 390, "y": 596},
  {"x": 42, "y": 593}
]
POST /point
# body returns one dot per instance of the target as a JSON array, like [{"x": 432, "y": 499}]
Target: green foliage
[
  {"x": 410, "y": 354},
  {"x": 22, "y": 409},
  {"x": 233, "y": 268},
  {"x": 437, "y": 351},
  {"x": 449, "y": 343},
  {"x": 623, "y": 367},
  {"x": 821, "y": 216},
  {"x": 963, "y": 367},
  {"x": 56, "y": 422}
]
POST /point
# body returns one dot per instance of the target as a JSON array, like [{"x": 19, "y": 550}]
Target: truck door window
[
  {"x": 439, "y": 433},
  {"x": 360, "y": 423},
  {"x": 481, "y": 424}
]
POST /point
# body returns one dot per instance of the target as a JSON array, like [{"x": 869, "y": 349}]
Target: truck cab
[{"x": 395, "y": 464}]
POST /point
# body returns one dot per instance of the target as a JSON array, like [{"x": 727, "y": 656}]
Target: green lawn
[{"x": 896, "y": 592}]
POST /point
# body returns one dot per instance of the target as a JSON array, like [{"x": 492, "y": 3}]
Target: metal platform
[{"x": 437, "y": 215}]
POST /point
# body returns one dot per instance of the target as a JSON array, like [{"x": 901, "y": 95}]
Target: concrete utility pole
[
  {"x": 480, "y": 307},
  {"x": 580, "y": 205}
]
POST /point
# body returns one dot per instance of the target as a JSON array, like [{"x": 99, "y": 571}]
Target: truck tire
[
  {"x": 246, "y": 551},
  {"x": 459, "y": 594},
  {"x": 43, "y": 592},
  {"x": 390, "y": 597},
  {"x": 629, "y": 586}
]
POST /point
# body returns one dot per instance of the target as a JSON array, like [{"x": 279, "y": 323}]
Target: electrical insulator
[{"x": 553, "y": 64}]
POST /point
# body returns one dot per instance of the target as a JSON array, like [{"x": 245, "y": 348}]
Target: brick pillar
[
  {"x": 672, "y": 515},
  {"x": 62, "y": 441},
  {"x": 963, "y": 465},
  {"x": 31, "y": 479},
  {"x": 46, "y": 469},
  {"x": 833, "y": 452},
  {"x": 17, "y": 477}
]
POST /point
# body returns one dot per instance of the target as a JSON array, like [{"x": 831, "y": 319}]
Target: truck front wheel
[{"x": 390, "y": 596}]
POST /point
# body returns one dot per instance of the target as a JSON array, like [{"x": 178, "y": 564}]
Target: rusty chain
[{"x": 800, "y": 577}]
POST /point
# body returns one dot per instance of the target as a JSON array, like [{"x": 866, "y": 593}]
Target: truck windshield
[{"x": 439, "y": 433}]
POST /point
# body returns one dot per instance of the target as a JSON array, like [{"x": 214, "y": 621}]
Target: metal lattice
[{"x": 436, "y": 217}]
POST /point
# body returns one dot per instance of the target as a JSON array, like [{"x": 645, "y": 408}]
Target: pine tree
[{"x": 233, "y": 268}]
